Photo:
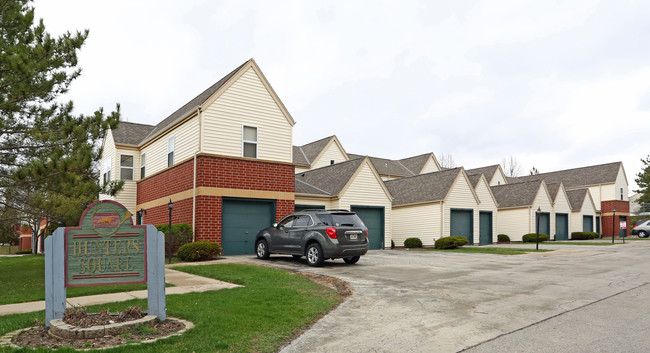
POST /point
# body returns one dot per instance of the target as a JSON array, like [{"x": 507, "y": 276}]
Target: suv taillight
[
  {"x": 331, "y": 232},
  {"x": 367, "y": 233}
]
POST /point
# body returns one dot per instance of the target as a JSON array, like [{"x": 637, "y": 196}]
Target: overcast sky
[{"x": 556, "y": 84}]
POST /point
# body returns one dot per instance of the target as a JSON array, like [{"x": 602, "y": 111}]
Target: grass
[
  {"x": 23, "y": 280},
  {"x": 600, "y": 243},
  {"x": 271, "y": 308},
  {"x": 485, "y": 250}
]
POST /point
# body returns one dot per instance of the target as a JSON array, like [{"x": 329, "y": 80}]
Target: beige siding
[
  {"x": 419, "y": 221},
  {"x": 460, "y": 197},
  {"x": 586, "y": 210},
  {"x": 561, "y": 205},
  {"x": 302, "y": 200},
  {"x": 621, "y": 183},
  {"x": 108, "y": 152},
  {"x": 596, "y": 193},
  {"x": 542, "y": 202},
  {"x": 332, "y": 152},
  {"x": 186, "y": 143},
  {"x": 129, "y": 193},
  {"x": 366, "y": 190},
  {"x": 498, "y": 179},
  {"x": 300, "y": 170},
  {"x": 247, "y": 102},
  {"x": 514, "y": 222},
  {"x": 486, "y": 203},
  {"x": 430, "y": 167}
]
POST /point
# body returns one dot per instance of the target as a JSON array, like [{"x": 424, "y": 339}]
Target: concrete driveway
[{"x": 576, "y": 298}]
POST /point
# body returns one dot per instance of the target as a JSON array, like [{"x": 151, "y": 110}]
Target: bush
[
  {"x": 413, "y": 243},
  {"x": 182, "y": 233},
  {"x": 503, "y": 238},
  {"x": 199, "y": 251},
  {"x": 23, "y": 252},
  {"x": 584, "y": 235},
  {"x": 532, "y": 237},
  {"x": 392, "y": 244},
  {"x": 451, "y": 242}
]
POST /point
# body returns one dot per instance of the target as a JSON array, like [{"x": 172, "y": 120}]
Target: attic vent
[{"x": 331, "y": 161}]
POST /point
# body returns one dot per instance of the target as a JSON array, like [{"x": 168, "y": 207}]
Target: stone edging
[{"x": 60, "y": 329}]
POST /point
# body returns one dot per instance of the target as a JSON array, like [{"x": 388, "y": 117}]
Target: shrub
[
  {"x": 392, "y": 244},
  {"x": 451, "y": 242},
  {"x": 199, "y": 251},
  {"x": 413, "y": 243},
  {"x": 584, "y": 235},
  {"x": 182, "y": 233},
  {"x": 503, "y": 238},
  {"x": 23, "y": 252},
  {"x": 532, "y": 237}
]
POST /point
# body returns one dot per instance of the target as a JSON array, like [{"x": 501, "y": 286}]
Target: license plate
[{"x": 353, "y": 237}]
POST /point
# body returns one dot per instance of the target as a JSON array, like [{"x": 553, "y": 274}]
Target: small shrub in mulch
[
  {"x": 450, "y": 242},
  {"x": 413, "y": 243},
  {"x": 503, "y": 238},
  {"x": 532, "y": 237}
]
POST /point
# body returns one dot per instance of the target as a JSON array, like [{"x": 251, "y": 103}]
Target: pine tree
[
  {"x": 643, "y": 181},
  {"x": 47, "y": 154}
]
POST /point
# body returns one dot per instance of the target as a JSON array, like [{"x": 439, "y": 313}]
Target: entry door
[
  {"x": 561, "y": 226},
  {"x": 587, "y": 223},
  {"x": 462, "y": 224},
  {"x": 544, "y": 223},
  {"x": 622, "y": 232},
  {"x": 373, "y": 218},
  {"x": 485, "y": 227}
]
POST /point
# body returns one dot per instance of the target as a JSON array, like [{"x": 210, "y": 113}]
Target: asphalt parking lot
[{"x": 573, "y": 299}]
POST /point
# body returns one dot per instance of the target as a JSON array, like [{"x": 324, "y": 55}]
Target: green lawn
[
  {"x": 272, "y": 308},
  {"x": 599, "y": 243},
  {"x": 485, "y": 250}
]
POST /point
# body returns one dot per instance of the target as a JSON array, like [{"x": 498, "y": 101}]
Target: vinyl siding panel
[
  {"x": 247, "y": 102},
  {"x": 430, "y": 167},
  {"x": 331, "y": 152},
  {"x": 366, "y": 190},
  {"x": 514, "y": 222},
  {"x": 128, "y": 195},
  {"x": 313, "y": 201},
  {"x": 300, "y": 170},
  {"x": 543, "y": 202},
  {"x": 420, "y": 221},
  {"x": 186, "y": 143},
  {"x": 486, "y": 203},
  {"x": 561, "y": 205},
  {"x": 498, "y": 179},
  {"x": 576, "y": 217},
  {"x": 596, "y": 192},
  {"x": 461, "y": 197},
  {"x": 109, "y": 151},
  {"x": 621, "y": 182}
]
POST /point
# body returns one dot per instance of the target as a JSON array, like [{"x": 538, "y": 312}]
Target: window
[
  {"x": 621, "y": 194},
  {"x": 142, "y": 164},
  {"x": 170, "y": 151},
  {"x": 287, "y": 222},
  {"x": 303, "y": 221},
  {"x": 250, "y": 142},
  {"x": 126, "y": 167},
  {"x": 107, "y": 170}
]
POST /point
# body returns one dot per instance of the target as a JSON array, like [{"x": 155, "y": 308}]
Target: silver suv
[
  {"x": 317, "y": 235},
  {"x": 642, "y": 228}
]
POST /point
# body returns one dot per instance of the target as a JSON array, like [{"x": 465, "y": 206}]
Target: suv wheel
[
  {"x": 643, "y": 234},
  {"x": 262, "y": 249},
  {"x": 351, "y": 260},
  {"x": 315, "y": 255}
]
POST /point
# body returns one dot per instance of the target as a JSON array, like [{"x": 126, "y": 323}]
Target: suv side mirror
[{"x": 275, "y": 225}]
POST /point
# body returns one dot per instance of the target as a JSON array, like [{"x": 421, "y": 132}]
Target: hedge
[
  {"x": 199, "y": 251},
  {"x": 413, "y": 243},
  {"x": 584, "y": 235},
  {"x": 450, "y": 242},
  {"x": 532, "y": 237},
  {"x": 182, "y": 233},
  {"x": 503, "y": 238}
]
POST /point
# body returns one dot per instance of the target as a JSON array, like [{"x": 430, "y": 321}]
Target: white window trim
[
  {"x": 171, "y": 148},
  {"x": 257, "y": 133},
  {"x": 132, "y": 168},
  {"x": 143, "y": 164},
  {"x": 108, "y": 165}
]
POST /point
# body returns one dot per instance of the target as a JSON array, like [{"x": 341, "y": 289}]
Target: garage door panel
[
  {"x": 373, "y": 218},
  {"x": 241, "y": 220}
]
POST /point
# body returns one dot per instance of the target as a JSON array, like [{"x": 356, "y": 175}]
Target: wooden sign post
[{"x": 106, "y": 248}]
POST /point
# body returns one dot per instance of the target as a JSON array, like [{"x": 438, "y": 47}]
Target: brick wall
[
  {"x": 622, "y": 209},
  {"x": 245, "y": 174},
  {"x": 173, "y": 180}
]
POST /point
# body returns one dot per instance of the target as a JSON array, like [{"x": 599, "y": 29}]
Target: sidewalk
[{"x": 183, "y": 283}]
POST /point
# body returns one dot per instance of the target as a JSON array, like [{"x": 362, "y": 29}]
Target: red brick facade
[
  {"x": 213, "y": 172},
  {"x": 622, "y": 211}
]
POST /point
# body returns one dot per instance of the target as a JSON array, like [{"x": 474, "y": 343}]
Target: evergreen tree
[
  {"x": 47, "y": 154},
  {"x": 643, "y": 181}
]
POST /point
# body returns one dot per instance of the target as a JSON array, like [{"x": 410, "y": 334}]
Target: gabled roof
[
  {"x": 128, "y": 133},
  {"x": 416, "y": 163},
  {"x": 516, "y": 195},
  {"x": 474, "y": 179},
  {"x": 329, "y": 180},
  {"x": 430, "y": 187},
  {"x": 488, "y": 171},
  {"x": 576, "y": 198},
  {"x": 306, "y": 154},
  {"x": 585, "y": 176},
  {"x": 553, "y": 189}
]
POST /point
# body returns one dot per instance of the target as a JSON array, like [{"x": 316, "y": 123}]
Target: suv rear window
[{"x": 340, "y": 219}]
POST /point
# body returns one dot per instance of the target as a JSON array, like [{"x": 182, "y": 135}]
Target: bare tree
[
  {"x": 447, "y": 161},
  {"x": 511, "y": 166}
]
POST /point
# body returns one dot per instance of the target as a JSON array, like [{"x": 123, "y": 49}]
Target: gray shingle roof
[
  {"x": 128, "y": 133},
  {"x": 474, "y": 179},
  {"x": 572, "y": 178},
  {"x": 193, "y": 104},
  {"x": 310, "y": 151},
  {"x": 553, "y": 189},
  {"x": 516, "y": 195},
  {"x": 330, "y": 179},
  {"x": 430, "y": 187},
  {"x": 416, "y": 163},
  {"x": 487, "y": 171},
  {"x": 576, "y": 198}
]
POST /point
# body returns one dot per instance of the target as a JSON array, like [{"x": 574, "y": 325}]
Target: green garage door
[
  {"x": 485, "y": 228},
  {"x": 308, "y": 207},
  {"x": 544, "y": 224},
  {"x": 241, "y": 219},
  {"x": 373, "y": 218},
  {"x": 561, "y": 226},
  {"x": 462, "y": 224},
  {"x": 587, "y": 223}
]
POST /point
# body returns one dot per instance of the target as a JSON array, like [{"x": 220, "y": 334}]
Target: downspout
[{"x": 198, "y": 110}]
